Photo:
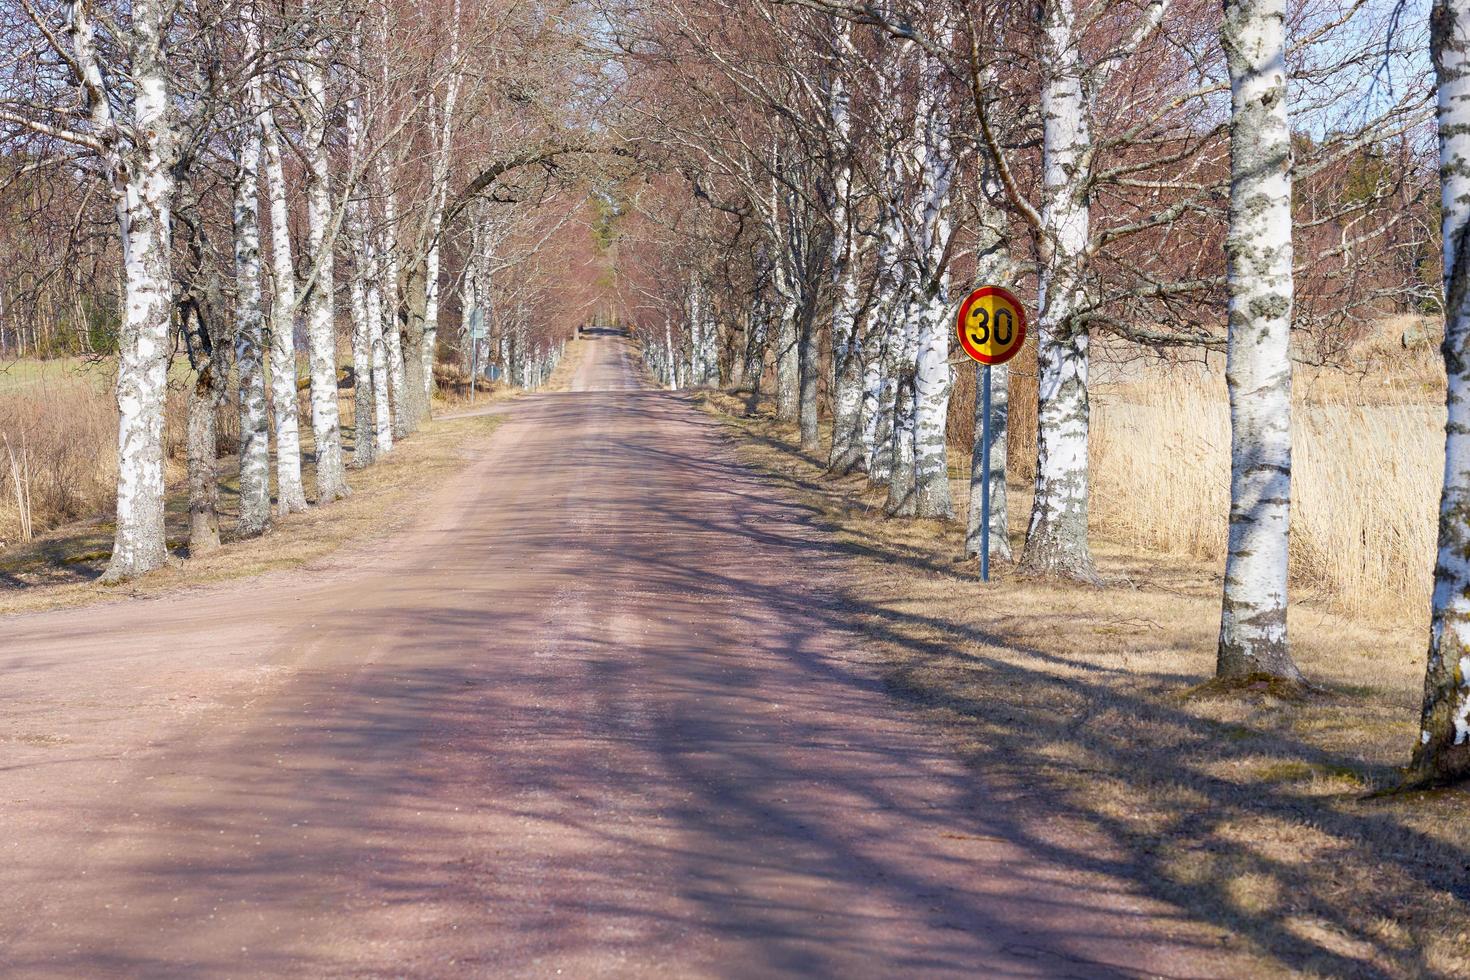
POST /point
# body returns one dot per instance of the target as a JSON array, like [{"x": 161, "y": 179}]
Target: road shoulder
[{"x": 60, "y": 570}]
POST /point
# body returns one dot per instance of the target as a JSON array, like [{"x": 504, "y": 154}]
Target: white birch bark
[
  {"x": 891, "y": 271},
  {"x": 872, "y": 399},
  {"x": 431, "y": 317},
  {"x": 439, "y": 193},
  {"x": 935, "y": 166},
  {"x": 886, "y": 308},
  {"x": 250, "y": 352},
  {"x": 905, "y": 352},
  {"x": 1056, "y": 538},
  {"x": 364, "y": 401},
  {"x": 469, "y": 295},
  {"x": 1253, "y": 638},
  {"x": 290, "y": 493},
  {"x": 364, "y": 429},
  {"x": 1443, "y": 750},
  {"x": 467, "y": 300},
  {"x": 932, "y": 496},
  {"x": 143, "y": 188},
  {"x": 702, "y": 335},
  {"x": 392, "y": 333},
  {"x": 378, "y": 345},
  {"x": 321, "y": 333},
  {"x": 788, "y": 367},
  {"x": 846, "y": 452}
]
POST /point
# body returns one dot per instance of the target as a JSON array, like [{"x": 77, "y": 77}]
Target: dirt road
[{"x": 595, "y": 713}]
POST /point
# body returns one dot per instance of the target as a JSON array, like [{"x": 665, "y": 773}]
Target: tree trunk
[
  {"x": 936, "y": 165},
  {"x": 1253, "y": 637},
  {"x": 430, "y": 347},
  {"x": 255, "y": 450},
  {"x": 846, "y": 452},
  {"x": 901, "y": 501},
  {"x": 378, "y": 347},
  {"x": 889, "y": 327},
  {"x": 144, "y": 213},
  {"x": 290, "y": 494},
  {"x": 880, "y": 466},
  {"x": 1443, "y": 751},
  {"x": 393, "y": 308},
  {"x": 872, "y": 415},
  {"x": 438, "y": 194},
  {"x": 414, "y": 408},
  {"x": 321, "y": 332},
  {"x": 809, "y": 372},
  {"x": 788, "y": 366},
  {"x": 364, "y": 432},
  {"x": 931, "y": 411},
  {"x": 205, "y": 396},
  {"x": 1056, "y": 538}
]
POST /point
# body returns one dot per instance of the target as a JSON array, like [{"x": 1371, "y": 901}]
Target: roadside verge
[
  {"x": 1072, "y": 705},
  {"x": 60, "y": 568}
]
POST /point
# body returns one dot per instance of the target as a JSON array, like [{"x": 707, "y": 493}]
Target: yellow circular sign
[{"x": 992, "y": 325}]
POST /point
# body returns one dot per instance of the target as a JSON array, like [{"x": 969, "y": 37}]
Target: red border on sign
[{"x": 970, "y": 301}]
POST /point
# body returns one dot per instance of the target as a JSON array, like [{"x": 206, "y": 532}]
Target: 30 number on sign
[{"x": 992, "y": 325}]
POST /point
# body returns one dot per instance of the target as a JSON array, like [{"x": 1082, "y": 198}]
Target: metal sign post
[
  {"x": 985, "y": 477},
  {"x": 992, "y": 329}
]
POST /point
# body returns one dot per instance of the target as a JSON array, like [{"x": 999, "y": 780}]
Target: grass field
[{"x": 1365, "y": 485}]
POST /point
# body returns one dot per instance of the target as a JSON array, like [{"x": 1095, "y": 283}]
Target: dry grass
[
  {"x": 1365, "y": 479},
  {"x": 1368, "y": 450},
  {"x": 1069, "y": 702},
  {"x": 60, "y": 418},
  {"x": 66, "y": 428}
]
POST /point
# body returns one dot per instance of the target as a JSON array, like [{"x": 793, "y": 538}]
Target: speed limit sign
[
  {"x": 992, "y": 330},
  {"x": 992, "y": 325}
]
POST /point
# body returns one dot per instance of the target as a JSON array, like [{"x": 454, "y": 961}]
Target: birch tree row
[
  {"x": 285, "y": 180},
  {"x": 1256, "y": 179}
]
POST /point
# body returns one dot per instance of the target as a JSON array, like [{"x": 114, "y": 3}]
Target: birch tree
[
  {"x": 201, "y": 322},
  {"x": 364, "y": 402},
  {"x": 846, "y": 453},
  {"x": 1253, "y": 636},
  {"x": 250, "y": 347},
  {"x": 935, "y": 163},
  {"x": 130, "y": 130},
  {"x": 1056, "y": 539},
  {"x": 438, "y": 194},
  {"x": 290, "y": 491},
  {"x": 1443, "y": 750},
  {"x": 331, "y": 474}
]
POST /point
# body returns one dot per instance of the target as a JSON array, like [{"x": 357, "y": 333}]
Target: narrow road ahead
[{"x": 596, "y": 713}]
